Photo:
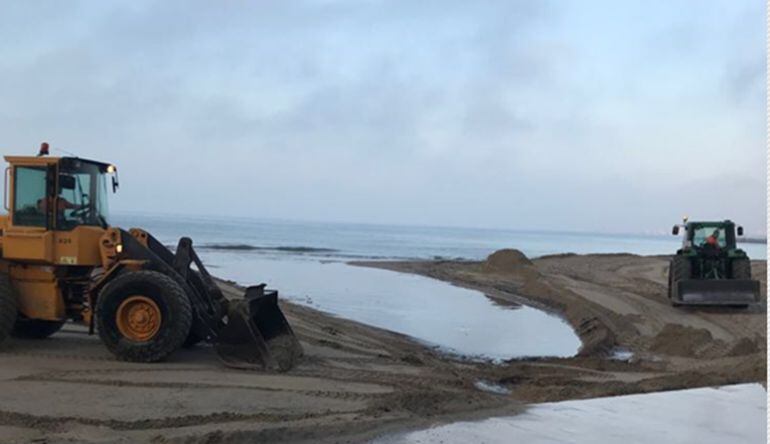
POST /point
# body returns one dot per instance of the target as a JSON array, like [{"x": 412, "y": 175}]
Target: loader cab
[
  {"x": 57, "y": 193},
  {"x": 82, "y": 194},
  {"x": 57, "y": 209}
]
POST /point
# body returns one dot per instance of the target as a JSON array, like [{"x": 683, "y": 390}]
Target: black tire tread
[
  {"x": 192, "y": 339},
  {"x": 156, "y": 350},
  {"x": 8, "y": 307},
  {"x": 741, "y": 268},
  {"x": 679, "y": 269}
]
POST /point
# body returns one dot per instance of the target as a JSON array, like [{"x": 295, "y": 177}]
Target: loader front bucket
[
  {"x": 717, "y": 292},
  {"x": 257, "y": 334}
]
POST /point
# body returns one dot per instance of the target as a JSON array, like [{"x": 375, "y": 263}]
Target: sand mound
[
  {"x": 596, "y": 337},
  {"x": 507, "y": 260},
  {"x": 681, "y": 340},
  {"x": 744, "y": 346}
]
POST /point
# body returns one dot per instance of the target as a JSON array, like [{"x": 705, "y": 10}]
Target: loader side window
[{"x": 29, "y": 196}]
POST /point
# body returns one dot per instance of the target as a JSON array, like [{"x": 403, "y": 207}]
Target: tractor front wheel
[
  {"x": 679, "y": 269},
  {"x": 143, "y": 316},
  {"x": 741, "y": 269},
  {"x": 35, "y": 328},
  {"x": 7, "y": 307}
]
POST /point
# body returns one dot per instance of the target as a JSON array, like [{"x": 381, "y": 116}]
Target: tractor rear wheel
[
  {"x": 741, "y": 268},
  {"x": 679, "y": 269},
  {"x": 35, "y": 328},
  {"x": 143, "y": 316},
  {"x": 8, "y": 310}
]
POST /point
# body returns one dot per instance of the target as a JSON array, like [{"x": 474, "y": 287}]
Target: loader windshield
[{"x": 82, "y": 194}]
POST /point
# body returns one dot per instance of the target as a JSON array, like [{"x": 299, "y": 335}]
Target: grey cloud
[{"x": 516, "y": 114}]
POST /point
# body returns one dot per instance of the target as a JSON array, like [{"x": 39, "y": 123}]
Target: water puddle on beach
[{"x": 456, "y": 320}]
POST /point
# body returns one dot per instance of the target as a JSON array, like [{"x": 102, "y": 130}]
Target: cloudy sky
[{"x": 567, "y": 115}]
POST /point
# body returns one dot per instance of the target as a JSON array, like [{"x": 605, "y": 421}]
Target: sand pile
[
  {"x": 744, "y": 346},
  {"x": 507, "y": 260},
  {"x": 681, "y": 340}
]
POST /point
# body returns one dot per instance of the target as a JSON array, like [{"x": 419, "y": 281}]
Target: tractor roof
[{"x": 711, "y": 223}]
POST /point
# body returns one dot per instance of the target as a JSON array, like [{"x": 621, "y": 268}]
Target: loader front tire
[
  {"x": 143, "y": 316},
  {"x": 8, "y": 309},
  {"x": 741, "y": 269},
  {"x": 35, "y": 328}
]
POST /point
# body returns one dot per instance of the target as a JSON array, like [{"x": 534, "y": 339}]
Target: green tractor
[{"x": 710, "y": 269}]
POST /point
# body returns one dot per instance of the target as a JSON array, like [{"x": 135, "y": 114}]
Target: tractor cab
[
  {"x": 709, "y": 268},
  {"x": 720, "y": 235}
]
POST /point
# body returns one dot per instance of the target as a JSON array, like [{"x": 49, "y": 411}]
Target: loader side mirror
[
  {"x": 675, "y": 230},
  {"x": 740, "y": 231},
  {"x": 114, "y": 184},
  {"x": 66, "y": 182}
]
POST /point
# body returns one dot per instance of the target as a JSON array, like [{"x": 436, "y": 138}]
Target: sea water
[{"x": 368, "y": 241}]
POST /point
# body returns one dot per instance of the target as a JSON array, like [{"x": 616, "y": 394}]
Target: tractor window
[
  {"x": 701, "y": 234},
  {"x": 29, "y": 199}
]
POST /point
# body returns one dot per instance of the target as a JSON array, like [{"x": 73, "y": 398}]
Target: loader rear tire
[
  {"x": 8, "y": 309},
  {"x": 741, "y": 269},
  {"x": 35, "y": 328},
  {"x": 170, "y": 316},
  {"x": 679, "y": 269}
]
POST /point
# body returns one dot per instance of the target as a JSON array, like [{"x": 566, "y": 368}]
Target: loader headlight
[
  {"x": 119, "y": 248},
  {"x": 111, "y": 169}
]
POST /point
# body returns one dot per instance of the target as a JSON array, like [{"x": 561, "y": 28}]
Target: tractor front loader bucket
[
  {"x": 738, "y": 292},
  {"x": 257, "y": 334},
  {"x": 251, "y": 332}
]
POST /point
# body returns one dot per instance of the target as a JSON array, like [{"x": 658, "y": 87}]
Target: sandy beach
[{"x": 357, "y": 382}]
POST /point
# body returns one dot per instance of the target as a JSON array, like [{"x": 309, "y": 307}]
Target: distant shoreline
[{"x": 752, "y": 240}]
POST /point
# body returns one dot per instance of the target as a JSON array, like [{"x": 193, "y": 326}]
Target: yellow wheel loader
[{"x": 61, "y": 260}]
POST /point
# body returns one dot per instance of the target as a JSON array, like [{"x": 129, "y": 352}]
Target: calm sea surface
[{"x": 363, "y": 241}]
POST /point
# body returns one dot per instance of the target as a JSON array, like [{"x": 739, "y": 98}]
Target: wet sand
[
  {"x": 613, "y": 301},
  {"x": 357, "y": 382},
  {"x": 354, "y": 382}
]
